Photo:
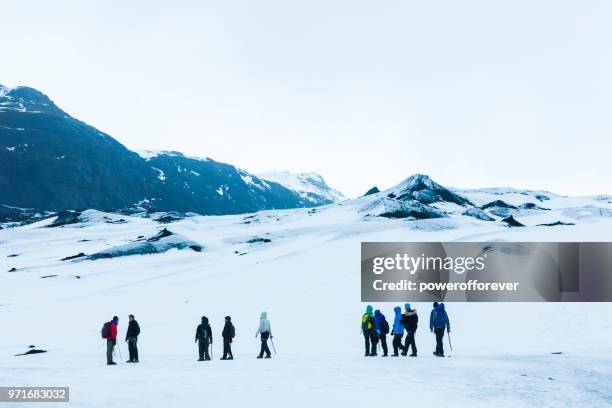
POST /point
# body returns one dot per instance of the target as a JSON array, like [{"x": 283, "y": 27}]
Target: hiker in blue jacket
[
  {"x": 382, "y": 329},
  {"x": 398, "y": 332},
  {"x": 431, "y": 314},
  {"x": 438, "y": 321}
]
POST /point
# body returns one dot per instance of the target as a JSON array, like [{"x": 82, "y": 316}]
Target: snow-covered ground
[{"x": 307, "y": 279}]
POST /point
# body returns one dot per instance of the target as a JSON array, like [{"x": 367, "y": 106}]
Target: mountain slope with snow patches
[
  {"x": 51, "y": 161},
  {"x": 310, "y": 186}
]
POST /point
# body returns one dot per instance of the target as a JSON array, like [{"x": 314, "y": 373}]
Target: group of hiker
[
  {"x": 203, "y": 336},
  {"x": 109, "y": 332},
  {"x": 375, "y": 328}
]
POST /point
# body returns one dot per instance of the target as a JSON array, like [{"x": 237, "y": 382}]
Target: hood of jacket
[
  {"x": 263, "y": 315},
  {"x": 397, "y": 310},
  {"x": 369, "y": 309},
  {"x": 204, "y": 320},
  {"x": 440, "y": 307}
]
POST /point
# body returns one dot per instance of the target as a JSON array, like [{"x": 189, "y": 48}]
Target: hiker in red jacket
[{"x": 111, "y": 340}]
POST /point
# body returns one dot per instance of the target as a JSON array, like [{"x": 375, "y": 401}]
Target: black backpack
[
  {"x": 385, "y": 326},
  {"x": 232, "y": 331}
]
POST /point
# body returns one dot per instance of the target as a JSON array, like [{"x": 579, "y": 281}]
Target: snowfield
[{"x": 307, "y": 279}]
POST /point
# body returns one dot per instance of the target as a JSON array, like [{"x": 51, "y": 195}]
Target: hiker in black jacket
[
  {"x": 228, "y": 334},
  {"x": 410, "y": 319},
  {"x": 131, "y": 337},
  {"x": 203, "y": 337}
]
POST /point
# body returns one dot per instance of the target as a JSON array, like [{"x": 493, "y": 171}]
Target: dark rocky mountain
[
  {"x": 52, "y": 161},
  {"x": 209, "y": 187},
  {"x": 421, "y": 188},
  {"x": 415, "y": 198},
  {"x": 373, "y": 190}
]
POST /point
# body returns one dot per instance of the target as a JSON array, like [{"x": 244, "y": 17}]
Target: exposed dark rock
[
  {"x": 13, "y": 269},
  {"x": 48, "y": 276},
  {"x": 258, "y": 239},
  {"x": 421, "y": 188},
  {"x": 169, "y": 217},
  {"x": 20, "y": 216},
  {"x": 512, "y": 222},
  {"x": 66, "y": 217},
  {"x": 411, "y": 209},
  {"x": 532, "y": 206},
  {"x": 161, "y": 234},
  {"x": 119, "y": 221},
  {"x": 542, "y": 197},
  {"x": 31, "y": 351},
  {"x": 371, "y": 191},
  {"x": 475, "y": 212},
  {"x": 79, "y": 255},
  {"x": 498, "y": 204},
  {"x": 556, "y": 223}
]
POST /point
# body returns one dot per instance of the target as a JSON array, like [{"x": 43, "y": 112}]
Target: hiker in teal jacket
[{"x": 369, "y": 333}]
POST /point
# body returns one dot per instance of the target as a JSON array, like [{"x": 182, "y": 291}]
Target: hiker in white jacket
[{"x": 266, "y": 332}]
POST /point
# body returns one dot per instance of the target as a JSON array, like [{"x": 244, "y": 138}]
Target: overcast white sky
[{"x": 473, "y": 93}]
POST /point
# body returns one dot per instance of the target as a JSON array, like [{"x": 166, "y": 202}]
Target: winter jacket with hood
[
  {"x": 410, "y": 319},
  {"x": 439, "y": 318},
  {"x": 398, "y": 327},
  {"x": 112, "y": 330},
  {"x": 264, "y": 324},
  {"x": 367, "y": 320},
  {"x": 133, "y": 330},
  {"x": 204, "y": 330},
  {"x": 229, "y": 331},
  {"x": 379, "y": 318}
]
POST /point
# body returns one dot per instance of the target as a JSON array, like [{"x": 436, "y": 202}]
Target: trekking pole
[
  {"x": 119, "y": 348},
  {"x": 272, "y": 342},
  {"x": 449, "y": 342},
  {"x": 211, "y": 354}
]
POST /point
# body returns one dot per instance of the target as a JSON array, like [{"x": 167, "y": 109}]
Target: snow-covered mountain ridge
[
  {"x": 87, "y": 168},
  {"x": 310, "y": 186}
]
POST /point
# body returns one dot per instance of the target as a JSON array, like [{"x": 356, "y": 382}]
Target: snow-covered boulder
[
  {"x": 475, "y": 212},
  {"x": 161, "y": 242},
  {"x": 390, "y": 208}
]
